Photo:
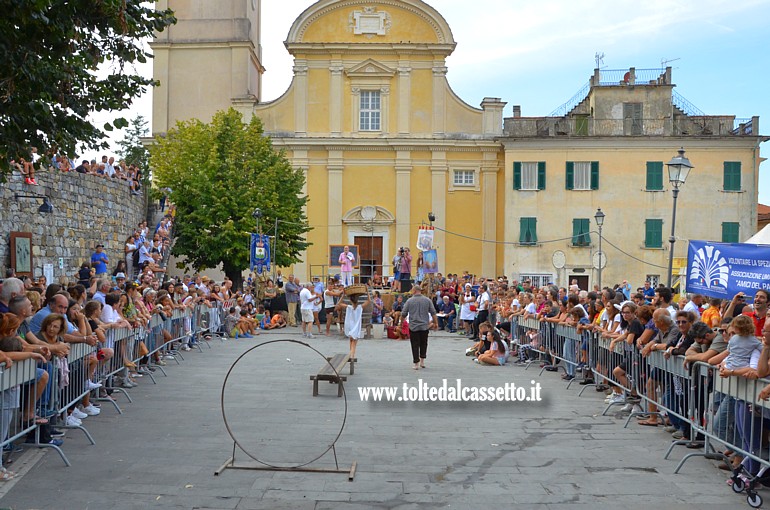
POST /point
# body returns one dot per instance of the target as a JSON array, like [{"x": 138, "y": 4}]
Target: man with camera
[{"x": 405, "y": 265}]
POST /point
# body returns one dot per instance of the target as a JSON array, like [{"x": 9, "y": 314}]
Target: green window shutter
[
  {"x": 576, "y": 231},
  {"x": 580, "y": 232},
  {"x": 585, "y": 229},
  {"x": 527, "y": 230},
  {"x": 594, "y": 175},
  {"x": 517, "y": 175},
  {"x": 731, "y": 232},
  {"x": 581, "y": 125},
  {"x": 653, "y": 233},
  {"x": 541, "y": 175},
  {"x": 654, "y": 176},
  {"x": 732, "y": 176},
  {"x": 570, "y": 175}
]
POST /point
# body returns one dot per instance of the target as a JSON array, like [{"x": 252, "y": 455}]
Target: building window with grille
[
  {"x": 580, "y": 232},
  {"x": 731, "y": 231},
  {"x": 732, "y": 176},
  {"x": 464, "y": 178},
  {"x": 653, "y": 233},
  {"x": 529, "y": 176},
  {"x": 654, "y": 176},
  {"x": 582, "y": 175},
  {"x": 369, "y": 112},
  {"x": 536, "y": 280},
  {"x": 528, "y": 230}
]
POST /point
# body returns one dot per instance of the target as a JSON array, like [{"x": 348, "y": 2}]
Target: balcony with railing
[{"x": 584, "y": 126}]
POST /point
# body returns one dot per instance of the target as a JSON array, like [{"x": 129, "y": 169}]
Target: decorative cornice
[
  {"x": 378, "y": 144},
  {"x": 433, "y": 19}
]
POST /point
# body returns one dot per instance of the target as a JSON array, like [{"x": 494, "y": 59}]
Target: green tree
[
  {"x": 49, "y": 84},
  {"x": 218, "y": 174},
  {"x": 132, "y": 150}
]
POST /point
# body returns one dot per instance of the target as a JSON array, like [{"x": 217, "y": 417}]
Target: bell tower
[{"x": 209, "y": 60}]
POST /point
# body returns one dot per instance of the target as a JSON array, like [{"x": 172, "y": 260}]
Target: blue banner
[
  {"x": 722, "y": 270},
  {"x": 260, "y": 253}
]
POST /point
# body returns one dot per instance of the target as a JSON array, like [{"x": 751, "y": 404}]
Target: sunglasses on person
[{"x": 682, "y": 322}]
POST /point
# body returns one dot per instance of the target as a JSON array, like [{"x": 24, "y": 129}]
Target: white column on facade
[
  {"x": 403, "y": 197},
  {"x": 439, "y": 99},
  {"x": 385, "y": 111},
  {"x": 334, "y": 169},
  {"x": 489, "y": 169},
  {"x": 355, "y": 109},
  {"x": 404, "y": 98},
  {"x": 300, "y": 161},
  {"x": 438, "y": 187},
  {"x": 300, "y": 98},
  {"x": 335, "y": 99}
]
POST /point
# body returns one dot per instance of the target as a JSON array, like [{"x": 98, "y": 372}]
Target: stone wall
[{"x": 88, "y": 210}]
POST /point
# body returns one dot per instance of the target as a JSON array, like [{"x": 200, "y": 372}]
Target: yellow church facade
[{"x": 383, "y": 139}]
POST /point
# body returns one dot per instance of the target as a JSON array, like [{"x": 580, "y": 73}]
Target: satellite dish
[{"x": 559, "y": 259}]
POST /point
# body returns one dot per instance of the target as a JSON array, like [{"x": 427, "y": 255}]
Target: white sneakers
[
  {"x": 80, "y": 415},
  {"x": 90, "y": 410},
  {"x": 71, "y": 421},
  {"x": 90, "y": 385}
]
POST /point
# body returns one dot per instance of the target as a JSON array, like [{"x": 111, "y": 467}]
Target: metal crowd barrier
[
  {"x": 709, "y": 409},
  {"x": 19, "y": 386},
  {"x": 68, "y": 378}
]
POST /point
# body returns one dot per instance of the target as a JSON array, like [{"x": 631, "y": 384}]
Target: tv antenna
[
  {"x": 664, "y": 61},
  {"x": 599, "y": 57}
]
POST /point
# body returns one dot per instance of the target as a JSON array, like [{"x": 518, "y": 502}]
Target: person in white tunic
[{"x": 353, "y": 322}]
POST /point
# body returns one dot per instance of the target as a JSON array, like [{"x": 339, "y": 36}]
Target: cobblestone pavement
[{"x": 556, "y": 454}]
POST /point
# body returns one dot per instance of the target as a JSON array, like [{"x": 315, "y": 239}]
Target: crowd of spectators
[{"x": 28, "y": 165}]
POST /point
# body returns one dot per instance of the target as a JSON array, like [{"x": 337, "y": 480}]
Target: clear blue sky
[{"x": 538, "y": 54}]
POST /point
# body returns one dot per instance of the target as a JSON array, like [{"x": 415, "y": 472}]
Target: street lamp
[
  {"x": 678, "y": 169},
  {"x": 599, "y": 218},
  {"x": 257, "y": 214},
  {"x": 46, "y": 207}
]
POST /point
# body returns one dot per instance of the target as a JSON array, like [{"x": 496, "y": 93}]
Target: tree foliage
[
  {"x": 218, "y": 174},
  {"x": 132, "y": 150},
  {"x": 51, "y": 51}
]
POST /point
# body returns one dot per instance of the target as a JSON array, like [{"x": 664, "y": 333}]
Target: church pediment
[{"x": 370, "y": 68}]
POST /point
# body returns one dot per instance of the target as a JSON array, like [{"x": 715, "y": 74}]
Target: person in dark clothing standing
[{"x": 422, "y": 317}]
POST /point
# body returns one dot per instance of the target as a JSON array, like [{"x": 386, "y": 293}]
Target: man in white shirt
[
  {"x": 694, "y": 305},
  {"x": 145, "y": 254},
  {"x": 307, "y": 301},
  {"x": 103, "y": 288}
]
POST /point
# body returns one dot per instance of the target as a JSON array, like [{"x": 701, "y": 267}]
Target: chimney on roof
[{"x": 517, "y": 110}]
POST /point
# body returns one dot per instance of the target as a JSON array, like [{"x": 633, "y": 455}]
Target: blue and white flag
[
  {"x": 722, "y": 270},
  {"x": 260, "y": 253}
]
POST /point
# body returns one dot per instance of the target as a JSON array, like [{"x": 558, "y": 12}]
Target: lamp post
[
  {"x": 678, "y": 169},
  {"x": 257, "y": 214},
  {"x": 599, "y": 218},
  {"x": 46, "y": 207}
]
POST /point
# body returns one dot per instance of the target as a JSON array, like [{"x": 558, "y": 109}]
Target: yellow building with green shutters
[{"x": 373, "y": 122}]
